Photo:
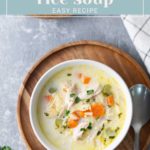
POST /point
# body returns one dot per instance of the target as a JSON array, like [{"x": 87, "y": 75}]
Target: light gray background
[{"x": 24, "y": 40}]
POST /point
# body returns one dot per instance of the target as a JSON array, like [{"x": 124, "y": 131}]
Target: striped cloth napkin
[{"x": 138, "y": 28}]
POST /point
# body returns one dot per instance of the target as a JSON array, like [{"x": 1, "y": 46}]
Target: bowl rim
[{"x": 72, "y": 62}]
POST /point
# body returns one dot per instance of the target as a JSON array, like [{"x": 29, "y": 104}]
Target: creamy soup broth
[{"x": 81, "y": 108}]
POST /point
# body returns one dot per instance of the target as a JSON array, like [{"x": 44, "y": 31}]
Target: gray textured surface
[{"x": 24, "y": 40}]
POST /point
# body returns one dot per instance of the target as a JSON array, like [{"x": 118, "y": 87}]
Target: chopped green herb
[
  {"x": 105, "y": 140},
  {"x": 77, "y": 99},
  {"x": 90, "y": 126},
  {"x": 99, "y": 132},
  {"x": 109, "y": 120},
  {"x": 111, "y": 133},
  {"x": 119, "y": 115},
  {"x": 82, "y": 129},
  {"x": 111, "y": 137},
  {"x": 67, "y": 112},
  {"x": 52, "y": 90},
  {"x": 69, "y": 74},
  {"x": 117, "y": 129},
  {"x": 64, "y": 126},
  {"x": 89, "y": 92},
  {"x": 5, "y": 148},
  {"x": 106, "y": 91},
  {"x": 72, "y": 94},
  {"x": 88, "y": 100},
  {"x": 46, "y": 114},
  {"x": 103, "y": 127}
]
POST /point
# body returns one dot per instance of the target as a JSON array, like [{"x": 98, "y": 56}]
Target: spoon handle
[{"x": 137, "y": 140}]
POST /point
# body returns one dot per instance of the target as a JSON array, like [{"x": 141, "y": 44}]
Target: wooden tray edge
[{"x": 81, "y": 42}]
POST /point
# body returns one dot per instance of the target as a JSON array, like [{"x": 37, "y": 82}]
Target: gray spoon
[{"x": 141, "y": 110}]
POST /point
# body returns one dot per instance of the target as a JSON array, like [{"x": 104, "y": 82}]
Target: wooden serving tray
[{"x": 126, "y": 66}]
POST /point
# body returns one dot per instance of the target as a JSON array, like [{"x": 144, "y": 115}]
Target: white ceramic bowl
[{"x": 53, "y": 70}]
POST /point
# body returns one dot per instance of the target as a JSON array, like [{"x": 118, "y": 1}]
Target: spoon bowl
[{"x": 141, "y": 109}]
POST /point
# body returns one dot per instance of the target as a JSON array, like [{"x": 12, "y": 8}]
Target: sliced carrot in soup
[
  {"x": 79, "y": 113},
  {"x": 86, "y": 80},
  {"x": 49, "y": 97},
  {"x": 110, "y": 101},
  {"x": 72, "y": 123},
  {"x": 88, "y": 110},
  {"x": 98, "y": 110}
]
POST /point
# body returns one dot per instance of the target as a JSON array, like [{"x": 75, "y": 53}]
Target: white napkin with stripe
[{"x": 138, "y": 28}]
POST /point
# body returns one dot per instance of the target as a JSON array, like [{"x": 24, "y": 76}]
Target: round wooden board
[{"x": 127, "y": 67}]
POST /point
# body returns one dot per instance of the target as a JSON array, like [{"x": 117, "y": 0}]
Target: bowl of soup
[{"x": 80, "y": 105}]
